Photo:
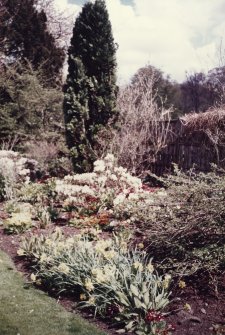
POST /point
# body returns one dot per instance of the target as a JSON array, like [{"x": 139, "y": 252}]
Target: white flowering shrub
[
  {"x": 107, "y": 180},
  {"x": 108, "y": 188},
  {"x": 14, "y": 169},
  {"x": 140, "y": 208},
  {"x": 107, "y": 276}
]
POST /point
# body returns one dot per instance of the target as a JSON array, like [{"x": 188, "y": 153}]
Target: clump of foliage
[
  {"x": 26, "y": 38},
  {"x": 90, "y": 90},
  {"x": 106, "y": 275},
  {"x": 15, "y": 169},
  {"x": 33, "y": 193},
  {"x": 51, "y": 153},
  {"x": 185, "y": 227},
  {"x": 27, "y": 106},
  {"x": 20, "y": 218}
]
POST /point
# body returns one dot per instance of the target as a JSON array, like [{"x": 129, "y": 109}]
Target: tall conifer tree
[
  {"x": 90, "y": 90},
  {"x": 26, "y": 38}
]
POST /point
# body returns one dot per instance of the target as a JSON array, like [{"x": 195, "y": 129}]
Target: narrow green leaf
[{"x": 134, "y": 290}]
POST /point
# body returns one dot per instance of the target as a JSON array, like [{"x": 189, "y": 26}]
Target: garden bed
[
  {"x": 149, "y": 259},
  {"x": 206, "y": 310}
]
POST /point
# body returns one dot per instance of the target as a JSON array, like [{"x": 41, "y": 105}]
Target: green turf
[{"x": 31, "y": 312}]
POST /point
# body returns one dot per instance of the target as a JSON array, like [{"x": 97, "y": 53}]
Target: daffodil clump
[{"x": 104, "y": 273}]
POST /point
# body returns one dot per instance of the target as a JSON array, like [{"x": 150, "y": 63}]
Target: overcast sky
[{"x": 173, "y": 35}]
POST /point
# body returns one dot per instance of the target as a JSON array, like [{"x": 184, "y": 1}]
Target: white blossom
[
  {"x": 99, "y": 166},
  {"x": 119, "y": 199}
]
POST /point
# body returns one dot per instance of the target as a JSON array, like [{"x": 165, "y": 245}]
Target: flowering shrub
[
  {"x": 109, "y": 191},
  {"x": 115, "y": 281},
  {"x": 14, "y": 168},
  {"x": 140, "y": 207},
  {"x": 102, "y": 186}
]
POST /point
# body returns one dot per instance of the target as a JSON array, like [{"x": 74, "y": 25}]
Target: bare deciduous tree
[
  {"x": 144, "y": 125},
  {"x": 60, "y": 23}
]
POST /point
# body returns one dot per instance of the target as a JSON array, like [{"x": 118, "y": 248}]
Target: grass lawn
[{"x": 32, "y": 312}]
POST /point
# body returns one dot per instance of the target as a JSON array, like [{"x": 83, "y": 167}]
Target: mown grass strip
[{"x": 30, "y": 311}]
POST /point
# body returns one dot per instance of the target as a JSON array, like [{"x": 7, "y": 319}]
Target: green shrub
[
  {"x": 20, "y": 217},
  {"x": 18, "y": 223},
  {"x": 35, "y": 192},
  {"x": 187, "y": 233}
]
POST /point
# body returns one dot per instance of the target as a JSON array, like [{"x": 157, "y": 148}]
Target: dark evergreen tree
[
  {"x": 27, "y": 107},
  {"x": 26, "y": 38},
  {"x": 90, "y": 90}
]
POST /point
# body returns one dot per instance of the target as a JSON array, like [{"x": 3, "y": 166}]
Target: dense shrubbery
[
  {"x": 187, "y": 232},
  {"x": 182, "y": 223}
]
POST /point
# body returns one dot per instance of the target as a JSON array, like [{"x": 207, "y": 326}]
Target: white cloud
[
  {"x": 175, "y": 35},
  {"x": 64, "y": 5}
]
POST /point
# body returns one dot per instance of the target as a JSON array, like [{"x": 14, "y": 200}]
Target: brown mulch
[{"x": 207, "y": 309}]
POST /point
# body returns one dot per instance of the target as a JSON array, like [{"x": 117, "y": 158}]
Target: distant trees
[
  {"x": 90, "y": 90},
  {"x": 197, "y": 93},
  {"x": 25, "y": 37},
  {"x": 201, "y": 91},
  {"x": 166, "y": 92}
]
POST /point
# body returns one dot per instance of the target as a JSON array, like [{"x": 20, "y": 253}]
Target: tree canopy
[{"x": 25, "y": 37}]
